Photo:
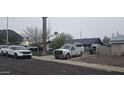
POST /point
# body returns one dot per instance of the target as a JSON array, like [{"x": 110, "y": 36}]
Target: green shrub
[
  {"x": 37, "y": 53},
  {"x": 58, "y": 41}
]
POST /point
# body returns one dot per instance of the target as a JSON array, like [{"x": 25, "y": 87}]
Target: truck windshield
[
  {"x": 78, "y": 45},
  {"x": 66, "y": 47}
]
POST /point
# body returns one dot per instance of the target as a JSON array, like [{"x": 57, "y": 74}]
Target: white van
[{"x": 95, "y": 48}]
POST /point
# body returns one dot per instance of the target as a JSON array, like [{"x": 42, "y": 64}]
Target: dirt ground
[{"x": 102, "y": 59}]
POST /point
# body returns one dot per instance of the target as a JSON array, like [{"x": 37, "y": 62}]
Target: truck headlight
[{"x": 19, "y": 52}]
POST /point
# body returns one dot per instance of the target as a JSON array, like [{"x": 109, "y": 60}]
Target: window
[{"x": 72, "y": 48}]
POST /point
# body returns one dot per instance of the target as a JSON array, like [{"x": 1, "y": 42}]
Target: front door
[{"x": 73, "y": 51}]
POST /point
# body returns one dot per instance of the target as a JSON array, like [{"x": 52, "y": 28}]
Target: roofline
[{"x": 85, "y": 38}]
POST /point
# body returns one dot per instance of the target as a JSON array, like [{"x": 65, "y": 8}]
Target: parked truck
[{"x": 67, "y": 51}]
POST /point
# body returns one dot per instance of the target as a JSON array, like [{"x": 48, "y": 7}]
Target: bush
[
  {"x": 37, "y": 53},
  {"x": 50, "y": 53}
]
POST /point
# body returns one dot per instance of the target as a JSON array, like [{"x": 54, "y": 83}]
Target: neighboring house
[
  {"x": 87, "y": 42},
  {"x": 117, "y": 45},
  {"x": 26, "y": 41}
]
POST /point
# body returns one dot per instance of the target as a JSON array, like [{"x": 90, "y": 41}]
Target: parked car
[
  {"x": 18, "y": 52},
  {"x": 3, "y": 49},
  {"x": 67, "y": 51}
]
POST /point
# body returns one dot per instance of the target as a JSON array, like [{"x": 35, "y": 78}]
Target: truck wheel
[
  {"x": 67, "y": 56},
  {"x": 81, "y": 53},
  {"x": 56, "y": 57}
]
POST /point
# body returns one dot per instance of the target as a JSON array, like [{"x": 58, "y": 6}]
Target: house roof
[
  {"x": 117, "y": 39},
  {"x": 86, "y": 41}
]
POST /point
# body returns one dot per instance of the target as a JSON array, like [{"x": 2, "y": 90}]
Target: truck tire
[
  {"x": 67, "y": 56},
  {"x": 81, "y": 54},
  {"x": 56, "y": 57}
]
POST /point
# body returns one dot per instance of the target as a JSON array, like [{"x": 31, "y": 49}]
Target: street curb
[{"x": 83, "y": 64}]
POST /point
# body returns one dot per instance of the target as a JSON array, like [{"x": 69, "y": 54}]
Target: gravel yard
[{"x": 102, "y": 59}]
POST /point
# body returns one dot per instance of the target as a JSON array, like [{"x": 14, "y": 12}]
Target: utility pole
[
  {"x": 7, "y": 42},
  {"x": 44, "y": 36}
]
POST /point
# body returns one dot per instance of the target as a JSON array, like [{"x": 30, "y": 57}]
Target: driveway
[
  {"x": 75, "y": 61},
  {"x": 117, "y": 61}
]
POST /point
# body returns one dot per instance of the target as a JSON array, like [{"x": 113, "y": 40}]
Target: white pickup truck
[{"x": 67, "y": 51}]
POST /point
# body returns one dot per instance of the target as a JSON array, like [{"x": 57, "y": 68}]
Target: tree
[
  {"x": 13, "y": 37},
  {"x": 34, "y": 35},
  {"x": 106, "y": 39},
  {"x": 58, "y": 41}
]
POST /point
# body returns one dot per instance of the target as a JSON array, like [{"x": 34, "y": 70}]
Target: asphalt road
[{"x": 11, "y": 66}]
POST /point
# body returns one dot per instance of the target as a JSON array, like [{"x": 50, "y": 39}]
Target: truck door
[{"x": 73, "y": 51}]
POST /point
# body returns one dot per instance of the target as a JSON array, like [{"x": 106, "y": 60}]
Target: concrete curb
[{"x": 83, "y": 64}]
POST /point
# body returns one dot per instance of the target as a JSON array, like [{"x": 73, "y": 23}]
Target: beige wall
[
  {"x": 104, "y": 50},
  {"x": 117, "y": 49}
]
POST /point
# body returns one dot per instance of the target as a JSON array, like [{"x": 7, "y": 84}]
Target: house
[
  {"x": 117, "y": 44},
  {"x": 26, "y": 41},
  {"x": 115, "y": 48},
  {"x": 86, "y": 42}
]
